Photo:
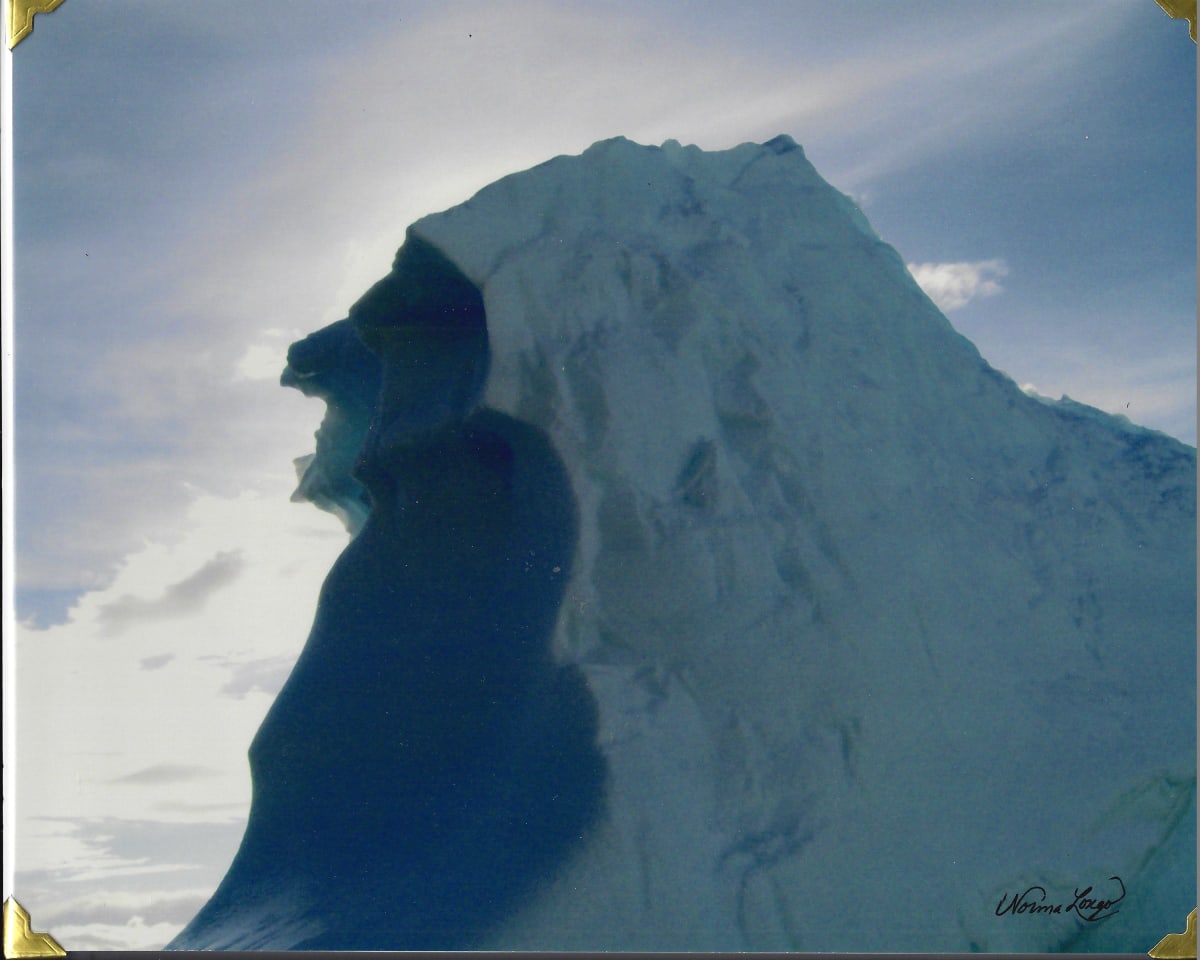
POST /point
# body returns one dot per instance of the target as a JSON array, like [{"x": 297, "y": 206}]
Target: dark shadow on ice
[{"x": 428, "y": 763}]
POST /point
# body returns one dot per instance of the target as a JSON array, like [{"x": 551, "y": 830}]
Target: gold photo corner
[
  {"x": 1178, "y": 946},
  {"x": 1181, "y": 10},
  {"x": 20, "y": 940},
  {"x": 22, "y": 12}
]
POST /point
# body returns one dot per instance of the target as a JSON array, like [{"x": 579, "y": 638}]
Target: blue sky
[
  {"x": 197, "y": 184},
  {"x": 1055, "y": 137}
]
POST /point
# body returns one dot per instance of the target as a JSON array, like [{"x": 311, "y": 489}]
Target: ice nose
[{"x": 291, "y": 377}]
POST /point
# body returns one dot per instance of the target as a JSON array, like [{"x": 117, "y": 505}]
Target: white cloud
[
  {"x": 953, "y": 285},
  {"x": 126, "y": 739}
]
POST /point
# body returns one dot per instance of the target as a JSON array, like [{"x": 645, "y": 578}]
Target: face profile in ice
[
  {"x": 428, "y": 762},
  {"x": 334, "y": 365},
  {"x": 425, "y": 322},
  {"x": 875, "y": 639}
]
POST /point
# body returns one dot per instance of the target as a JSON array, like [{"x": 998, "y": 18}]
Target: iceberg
[{"x": 709, "y": 591}]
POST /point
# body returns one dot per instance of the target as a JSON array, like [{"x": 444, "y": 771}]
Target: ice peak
[
  {"x": 782, "y": 144},
  {"x": 833, "y": 578}
]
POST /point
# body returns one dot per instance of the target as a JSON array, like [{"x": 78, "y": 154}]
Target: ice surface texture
[{"x": 875, "y": 638}]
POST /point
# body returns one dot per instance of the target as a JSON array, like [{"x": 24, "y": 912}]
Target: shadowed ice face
[
  {"x": 425, "y": 322},
  {"x": 428, "y": 764}
]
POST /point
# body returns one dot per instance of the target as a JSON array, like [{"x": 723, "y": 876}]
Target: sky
[{"x": 196, "y": 185}]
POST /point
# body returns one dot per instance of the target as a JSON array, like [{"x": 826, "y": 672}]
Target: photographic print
[{"x": 601, "y": 476}]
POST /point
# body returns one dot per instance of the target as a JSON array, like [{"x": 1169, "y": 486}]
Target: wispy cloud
[
  {"x": 182, "y": 598},
  {"x": 173, "y": 698},
  {"x": 139, "y": 743},
  {"x": 126, "y": 884},
  {"x": 161, "y": 773},
  {"x": 265, "y": 676},
  {"x": 412, "y": 117},
  {"x": 953, "y": 285},
  {"x": 1146, "y": 389},
  {"x": 134, "y": 934}
]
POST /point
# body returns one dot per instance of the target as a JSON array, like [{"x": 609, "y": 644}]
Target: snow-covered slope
[{"x": 875, "y": 639}]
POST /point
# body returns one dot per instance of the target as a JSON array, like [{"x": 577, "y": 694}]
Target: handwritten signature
[{"x": 1085, "y": 905}]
